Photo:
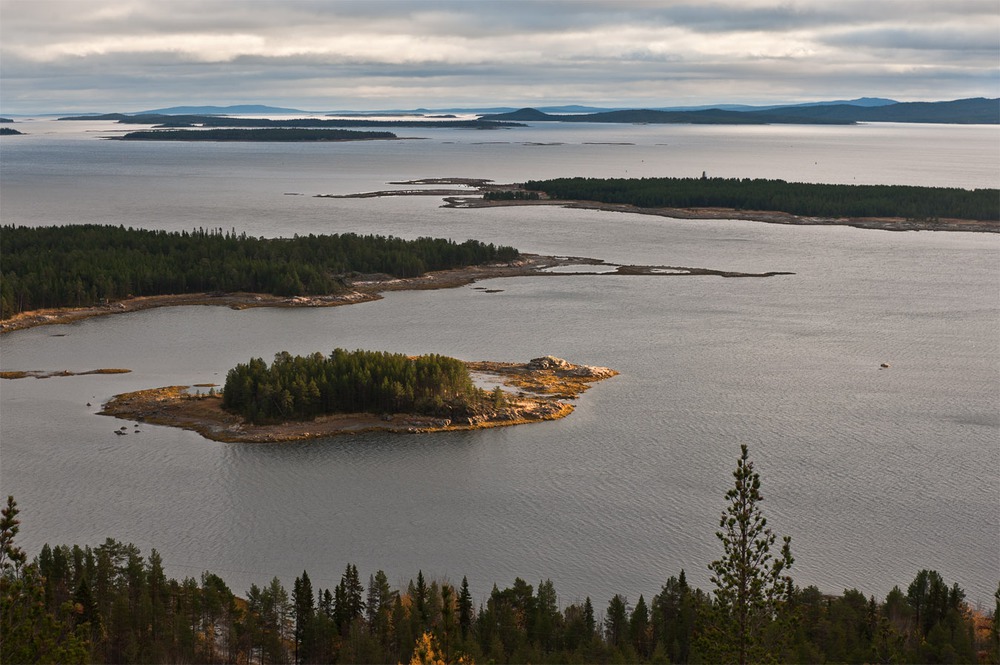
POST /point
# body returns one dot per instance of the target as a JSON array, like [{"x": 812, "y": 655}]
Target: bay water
[{"x": 874, "y": 473}]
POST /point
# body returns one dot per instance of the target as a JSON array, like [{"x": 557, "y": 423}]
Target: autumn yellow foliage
[{"x": 426, "y": 652}]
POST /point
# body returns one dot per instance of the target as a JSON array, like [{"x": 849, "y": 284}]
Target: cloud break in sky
[{"x": 130, "y": 55}]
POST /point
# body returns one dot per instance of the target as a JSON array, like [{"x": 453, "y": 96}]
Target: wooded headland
[
  {"x": 804, "y": 199},
  {"x": 88, "y": 265}
]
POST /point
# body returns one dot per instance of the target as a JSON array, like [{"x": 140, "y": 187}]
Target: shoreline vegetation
[
  {"x": 484, "y": 193},
  {"x": 538, "y": 390}
]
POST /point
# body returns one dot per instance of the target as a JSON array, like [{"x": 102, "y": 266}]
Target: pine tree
[{"x": 749, "y": 580}]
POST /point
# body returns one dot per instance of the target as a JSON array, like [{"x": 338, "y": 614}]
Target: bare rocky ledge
[{"x": 537, "y": 391}]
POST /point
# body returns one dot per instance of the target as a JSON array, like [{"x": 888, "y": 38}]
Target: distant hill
[
  {"x": 219, "y": 110},
  {"x": 865, "y": 109},
  {"x": 962, "y": 111},
  {"x": 578, "y": 109},
  {"x": 652, "y": 117}
]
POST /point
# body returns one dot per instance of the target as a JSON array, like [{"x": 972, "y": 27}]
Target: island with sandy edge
[{"x": 535, "y": 391}]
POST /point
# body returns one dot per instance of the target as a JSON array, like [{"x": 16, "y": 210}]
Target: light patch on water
[
  {"x": 486, "y": 381},
  {"x": 583, "y": 268}
]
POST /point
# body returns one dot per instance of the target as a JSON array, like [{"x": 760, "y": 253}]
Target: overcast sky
[{"x": 130, "y": 55}]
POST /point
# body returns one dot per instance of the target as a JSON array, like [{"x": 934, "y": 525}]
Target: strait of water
[{"x": 874, "y": 473}]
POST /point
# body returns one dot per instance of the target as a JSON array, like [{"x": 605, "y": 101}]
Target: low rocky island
[
  {"x": 535, "y": 391},
  {"x": 255, "y": 135},
  {"x": 48, "y": 374}
]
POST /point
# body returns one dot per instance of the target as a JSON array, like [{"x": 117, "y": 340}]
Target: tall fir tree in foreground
[{"x": 750, "y": 581}]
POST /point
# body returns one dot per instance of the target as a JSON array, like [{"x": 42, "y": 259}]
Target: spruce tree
[
  {"x": 749, "y": 580},
  {"x": 465, "y": 608},
  {"x": 304, "y": 609}
]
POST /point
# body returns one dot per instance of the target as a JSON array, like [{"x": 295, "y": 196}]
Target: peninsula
[
  {"x": 47, "y": 281},
  {"x": 440, "y": 395},
  {"x": 888, "y": 208}
]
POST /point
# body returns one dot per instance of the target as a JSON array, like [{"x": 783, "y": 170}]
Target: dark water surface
[{"x": 874, "y": 473}]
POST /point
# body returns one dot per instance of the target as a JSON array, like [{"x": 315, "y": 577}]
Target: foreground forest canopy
[
  {"x": 301, "y": 388},
  {"x": 81, "y": 265},
  {"x": 75, "y": 604},
  {"x": 797, "y": 198}
]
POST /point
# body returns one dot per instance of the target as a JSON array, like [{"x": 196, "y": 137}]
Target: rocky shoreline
[{"x": 537, "y": 391}]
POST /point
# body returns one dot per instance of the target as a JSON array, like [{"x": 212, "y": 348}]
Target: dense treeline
[
  {"x": 75, "y": 604},
  {"x": 511, "y": 195},
  {"x": 791, "y": 197},
  {"x": 301, "y": 388},
  {"x": 80, "y": 265},
  {"x": 255, "y": 135}
]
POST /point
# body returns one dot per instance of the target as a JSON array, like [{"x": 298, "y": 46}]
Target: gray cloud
[{"x": 123, "y": 54}]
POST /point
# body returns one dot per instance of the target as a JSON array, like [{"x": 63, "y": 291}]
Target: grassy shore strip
[
  {"x": 364, "y": 289},
  {"x": 542, "y": 386},
  {"x": 42, "y": 374}
]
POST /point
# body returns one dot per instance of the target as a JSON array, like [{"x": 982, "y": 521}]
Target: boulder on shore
[
  {"x": 565, "y": 368},
  {"x": 548, "y": 362}
]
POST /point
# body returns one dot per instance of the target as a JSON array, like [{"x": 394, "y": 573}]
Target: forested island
[
  {"x": 808, "y": 199},
  {"x": 9, "y": 131},
  {"x": 301, "y": 388},
  {"x": 317, "y": 396},
  {"x": 256, "y": 135},
  {"x": 228, "y": 121},
  {"x": 80, "y": 604},
  {"x": 81, "y": 265}
]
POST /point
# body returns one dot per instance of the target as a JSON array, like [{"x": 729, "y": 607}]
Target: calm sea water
[{"x": 874, "y": 473}]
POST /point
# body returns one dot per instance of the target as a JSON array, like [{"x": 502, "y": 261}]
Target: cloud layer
[{"x": 66, "y": 55}]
